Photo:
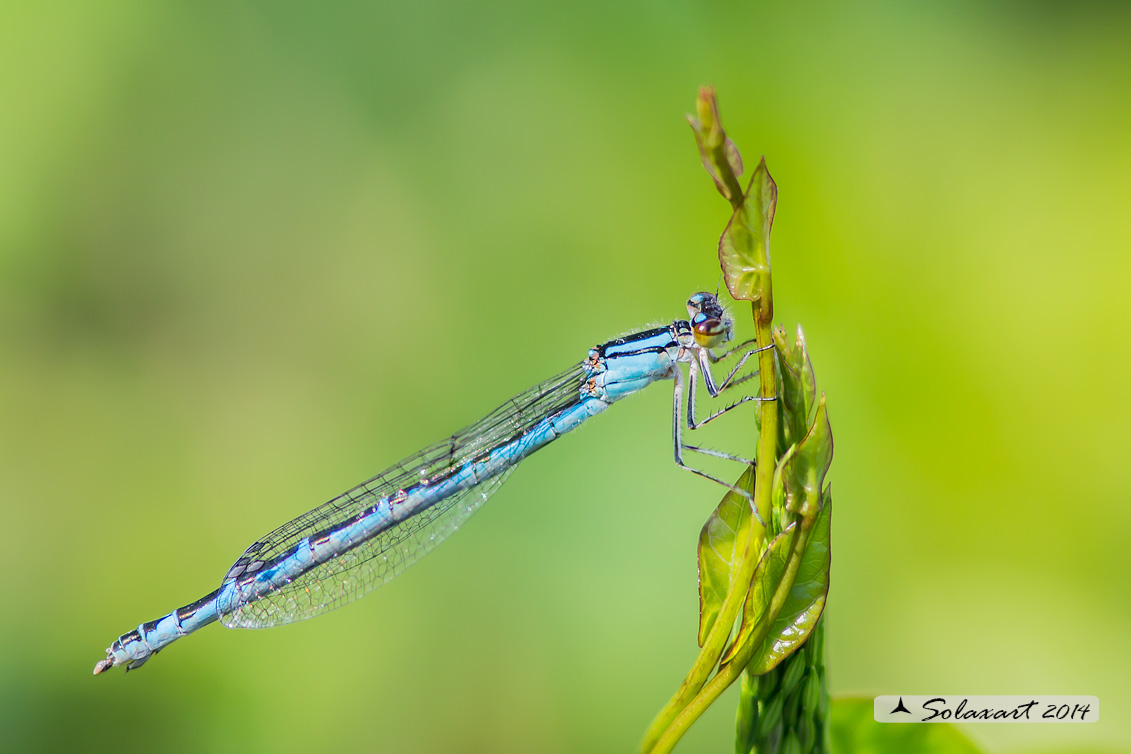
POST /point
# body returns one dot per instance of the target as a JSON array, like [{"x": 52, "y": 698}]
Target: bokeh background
[{"x": 251, "y": 255}]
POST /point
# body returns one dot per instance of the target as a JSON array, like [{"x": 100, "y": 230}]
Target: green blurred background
[{"x": 250, "y": 256}]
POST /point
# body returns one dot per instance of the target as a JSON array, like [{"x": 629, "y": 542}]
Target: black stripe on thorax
[{"x": 602, "y": 350}]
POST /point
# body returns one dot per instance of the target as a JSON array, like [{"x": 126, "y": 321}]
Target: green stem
[
  {"x": 750, "y": 545},
  {"x": 768, "y": 437},
  {"x": 687, "y": 704},
  {"x": 733, "y": 669}
]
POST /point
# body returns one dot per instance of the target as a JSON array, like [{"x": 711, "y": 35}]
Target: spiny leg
[
  {"x": 692, "y": 371},
  {"x": 739, "y": 380},
  {"x": 719, "y": 454},
  {"x": 679, "y": 446},
  {"x": 692, "y": 424},
  {"x": 709, "y": 379},
  {"x": 731, "y": 352}
]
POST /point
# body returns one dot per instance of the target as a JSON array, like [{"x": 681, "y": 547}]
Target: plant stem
[
  {"x": 763, "y": 311},
  {"x": 733, "y": 669},
  {"x": 693, "y": 698},
  {"x": 750, "y": 545}
]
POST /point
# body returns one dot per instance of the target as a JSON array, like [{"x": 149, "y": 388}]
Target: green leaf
[
  {"x": 797, "y": 490},
  {"x": 764, "y": 584},
  {"x": 855, "y": 731},
  {"x": 718, "y": 559},
  {"x": 803, "y": 471},
  {"x": 719, "y": 155},
  {"x": 744, "y": 249},
  {"x": 806, "y": 600},
  {"x": 799, "y": 385}
]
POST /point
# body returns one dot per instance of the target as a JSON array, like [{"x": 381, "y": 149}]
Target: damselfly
[{"x": 366, "y": 536}]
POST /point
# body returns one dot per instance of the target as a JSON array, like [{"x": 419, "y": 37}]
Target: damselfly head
[{"x": 710, "y": 322}]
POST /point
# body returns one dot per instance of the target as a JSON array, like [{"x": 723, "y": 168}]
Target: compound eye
[
  {"x": 695, "y": 303},
  {"x": 708, "y": 330}
]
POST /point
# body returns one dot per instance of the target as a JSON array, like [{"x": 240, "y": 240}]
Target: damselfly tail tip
[{"x": 104, "y": 665}]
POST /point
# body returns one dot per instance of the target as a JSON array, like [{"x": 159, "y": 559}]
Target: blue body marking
[{"x": 370, "y": 534}]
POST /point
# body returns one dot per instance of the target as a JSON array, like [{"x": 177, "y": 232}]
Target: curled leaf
[
  {"x": 744, "y": 249},
  {"x": 719, "y": 155},
  {"x": 767, "y": 578},
  {"x": 803, "y": 472},
  {"x": 799, "y": 385},
  {"x": 806, "y": 599},
  {"x": 718, "y": 558}
]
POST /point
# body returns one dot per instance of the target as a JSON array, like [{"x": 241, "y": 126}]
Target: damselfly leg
[{"x": 700, "y": 363}]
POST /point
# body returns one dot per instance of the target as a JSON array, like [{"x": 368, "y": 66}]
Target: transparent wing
[
  {"x": 365, "y": 567},
  {"x": 365, "y": 564}
]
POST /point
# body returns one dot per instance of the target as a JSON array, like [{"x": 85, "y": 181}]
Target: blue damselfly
[{"x": 366, "y": 536}]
